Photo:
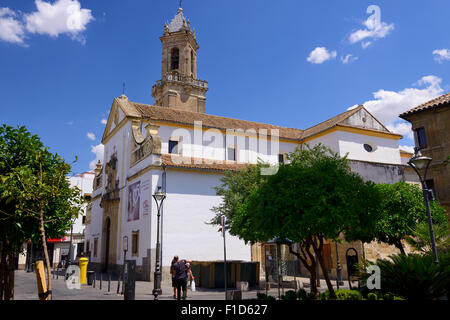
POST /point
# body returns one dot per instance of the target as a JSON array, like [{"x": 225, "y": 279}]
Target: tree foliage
[
  {"x": 36, "y": 200},
  {"x": 402, "y": 207},
  {"x": 312, "y": 198}
]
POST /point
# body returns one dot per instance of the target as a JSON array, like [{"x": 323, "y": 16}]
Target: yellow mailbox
[{"x": 83, "y": 262}]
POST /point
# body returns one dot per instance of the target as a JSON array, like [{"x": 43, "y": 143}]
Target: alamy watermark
[
  {"x": 374, "y": 280},
  {"x": 214, "y": 146}
]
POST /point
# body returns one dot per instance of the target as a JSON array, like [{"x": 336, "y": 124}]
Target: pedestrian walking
[
  {"x": 189, "y": 277},
  {"x": 172, "y": 272},
  {"x": 180, "y": 271}
]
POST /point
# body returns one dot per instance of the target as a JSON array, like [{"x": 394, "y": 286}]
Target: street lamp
[
  {"x": 125, "y": 249},
  {"x": 159, "y": 197},
  {"x": 419, "y": 162},
  {"x": 339, "y": 281}
]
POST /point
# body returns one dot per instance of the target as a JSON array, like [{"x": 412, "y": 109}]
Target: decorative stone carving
[
  {"x": 147, "y": 146},
  {"x": 111, "y": 192}
]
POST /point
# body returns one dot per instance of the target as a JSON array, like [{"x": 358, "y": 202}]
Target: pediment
[
  {"x": 364, "y": 119},
  {"x": 121, "y": 108}
]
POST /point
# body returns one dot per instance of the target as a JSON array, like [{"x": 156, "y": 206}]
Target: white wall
[
  {"x": 187, "y": 208},
  {"x": 212, "y": 145},
  {"x": 385, "y": 151}
]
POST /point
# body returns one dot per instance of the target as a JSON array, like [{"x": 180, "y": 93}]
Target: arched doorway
[{"x": 107, "y": 234}]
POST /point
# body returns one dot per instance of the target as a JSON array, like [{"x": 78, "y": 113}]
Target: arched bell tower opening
[
  {"x": 174, "y": 59},
  {"x": 179, "y": 87}
]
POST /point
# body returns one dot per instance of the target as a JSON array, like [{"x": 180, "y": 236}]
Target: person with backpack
[{"x": 180, "y": 272}]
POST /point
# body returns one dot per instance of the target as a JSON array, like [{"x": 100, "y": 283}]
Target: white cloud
[
  {"x": 388, "y": 105},
  {"x": 91, "y": 136},
  {"x": 320, "y": 55},
  {"x": 104, "y": 121},
  {"x": 11, "y": 30},
  {"x": 442, "y": 54},
  {"x": 348, "y": 58},
  {"x": 375, "y": 29},
  {"x": 99, "y": 151},
  {"x": 61, "y": 17}
]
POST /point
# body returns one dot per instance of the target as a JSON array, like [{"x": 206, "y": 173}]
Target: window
[
  {"x": 95, "y": 246},
  {"x": 231, "y": 153},
  {"x": 421, "y": 139},
  {"x": 173, "y": 147},
  {"x": 368, "y": 147},
  {"x": 88, "y": 249},
  {"x": 80, "y": 249},
  {"x": 83, "y": 220},
  {"x": 174, "y": 59},
  {"x": 135, "y": 243},
  {"x": 281, "y": 158}
]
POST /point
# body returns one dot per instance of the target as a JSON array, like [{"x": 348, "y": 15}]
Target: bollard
[
  {"x": 129, "y": 280},
  {"x": 95, "y": 275},
  {"x": 118, "y": 284},
  {"x": 101, "y": 278},
  {"x": 123, "y": 284},
  {"x": 109, "y": 282},
  {"x": 57, "y": 273}
]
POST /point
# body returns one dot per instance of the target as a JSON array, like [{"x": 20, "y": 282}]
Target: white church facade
[{"x": 174, "y": 144}]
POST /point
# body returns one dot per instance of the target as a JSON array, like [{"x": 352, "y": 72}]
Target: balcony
[{"x": 182, "y": 80}]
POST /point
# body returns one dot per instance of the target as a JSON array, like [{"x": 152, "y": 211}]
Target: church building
[{"x": 176, "y": 145}]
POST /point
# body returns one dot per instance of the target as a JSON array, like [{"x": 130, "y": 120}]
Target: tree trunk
[
  {"x": 9, "y": 292},
  {"x": 311, "y": 268},
  {"x": 318, "y": 252},
  {"x": 2, "y": 270},
  {"x": 47, "y": 260},
  {"x": 398, "y": 244}
]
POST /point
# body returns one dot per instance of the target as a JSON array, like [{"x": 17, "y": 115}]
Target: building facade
[
  {"x": 431, "y": 125},
  {"x": 174, "y": 144}
]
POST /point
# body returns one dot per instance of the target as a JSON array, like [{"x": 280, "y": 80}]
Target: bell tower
[{"x": 179, "y": 87}]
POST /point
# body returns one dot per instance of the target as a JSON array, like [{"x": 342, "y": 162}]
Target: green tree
[
  {"x": 312, "y": 198},
  {"x": 35, "y": 196},
  {"x": 401, "y": 209}
]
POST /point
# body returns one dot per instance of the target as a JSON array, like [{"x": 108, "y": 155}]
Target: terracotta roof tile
[
  {"x": 210, "y": 121},
  {"x": 439, "y": 101},
  {"x": 329, "y": 123}
]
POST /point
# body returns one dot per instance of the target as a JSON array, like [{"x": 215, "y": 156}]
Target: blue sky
[{"x": 289, "y": 63}]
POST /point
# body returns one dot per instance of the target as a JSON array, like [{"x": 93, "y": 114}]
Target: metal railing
[{"x": 176, "y": 78}]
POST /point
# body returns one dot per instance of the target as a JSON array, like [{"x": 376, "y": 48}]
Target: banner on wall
[
  {"x": 146, "y": 198},
  {"x": 134, "y": 200}
]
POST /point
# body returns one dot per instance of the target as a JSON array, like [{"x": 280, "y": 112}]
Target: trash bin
[
  {"x": 90, "y": 277},
  {"x": 83, "y": 262}
]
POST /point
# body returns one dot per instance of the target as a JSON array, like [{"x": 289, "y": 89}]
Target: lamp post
[
  {"x": 159, "y": 197},
  {"x": 339, "y": 281},
  {"x": 419, "y": 162},
  {"x": 125, "y": 249}
]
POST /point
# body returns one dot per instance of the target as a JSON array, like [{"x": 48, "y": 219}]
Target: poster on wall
[
  {"x": 134, "y": 200},
  {"x": 146, "y": 197}
]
